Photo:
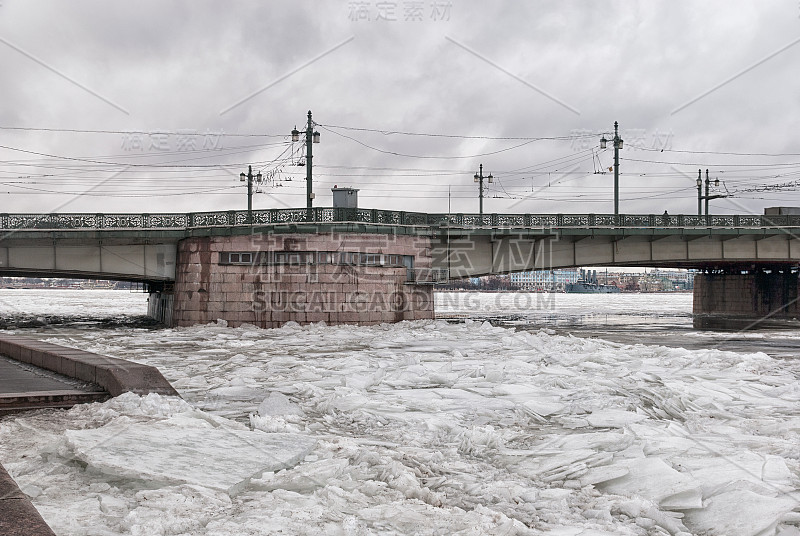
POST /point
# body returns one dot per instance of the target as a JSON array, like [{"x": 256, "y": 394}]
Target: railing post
[
  {"x": 100, "y": 219},
  {"x": 145, "y": 221},
  {"x": 373, "y": 216},
  {"x": 591, "y": 220},
  {"x": 559, "y": 220},
  {"x": 526, "y": 220},
  {"x": 190, "y": 219},
  {"x": 495, "y": 220},
  {"x": 736, "y": 220},
  {"x": 232, "y": 217},
  {"x": 273, "y": 215}
]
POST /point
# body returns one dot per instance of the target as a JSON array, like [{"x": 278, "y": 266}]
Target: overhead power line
[
  {"x": 716, "y": 152},
  {"x": 457, "y": 136},
  {"x": 458, "y": 157},
  {"x": 187, "y": 132}
]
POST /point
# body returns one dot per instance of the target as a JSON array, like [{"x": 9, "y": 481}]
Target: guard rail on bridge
[{"x": 385, "y": 217}]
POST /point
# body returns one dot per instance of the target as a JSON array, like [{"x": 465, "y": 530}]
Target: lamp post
[
  {"x": 617, "y": 146},
  {"x": 311, "y": 137},
  {"x": 479, "y": 179},
  {"x": 249, "y": 179},
  {"x": 699, "y": 192},
  {"x": 707, "y": 197}
]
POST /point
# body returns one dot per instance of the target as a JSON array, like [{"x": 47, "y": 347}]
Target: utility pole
[
  {"x": 699, "y": 192},
  {"x": 707, "y": 197},
  {"x": 479, "y": 179},
  {"x": 311, "y": 137},
  {"x": 249, "y": 179},
  {"x": 448, "y": 199},
  {"x": 249, "y": 194},
  {"x": 309, "y": 190},
  {"x": 617, "y": 146}
]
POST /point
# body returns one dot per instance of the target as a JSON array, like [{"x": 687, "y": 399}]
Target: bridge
[{"x": 367, "y": 265}]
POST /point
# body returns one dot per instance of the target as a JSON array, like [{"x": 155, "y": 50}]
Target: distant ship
[{"x": 587, "y": 284}]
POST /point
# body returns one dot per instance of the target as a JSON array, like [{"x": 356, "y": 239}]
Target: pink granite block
[
  {"x": 317, "y": 317},
  {"x": 215, "y": 305},
  {"x": 261, "y": 316},
  {"x": 349, "y": 316},
  {"x": 232, "y": 278},
  {"x": 231, "y": 287}
]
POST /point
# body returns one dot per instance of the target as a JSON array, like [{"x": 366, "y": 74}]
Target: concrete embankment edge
[
  {"x": 116, "y": 376},
  {"x": 18, "y": 516}
]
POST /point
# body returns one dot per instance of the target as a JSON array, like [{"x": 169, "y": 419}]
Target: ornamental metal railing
[{"x": 230, "y": 218}]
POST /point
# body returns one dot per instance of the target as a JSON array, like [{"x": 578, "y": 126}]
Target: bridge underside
[
  {"x": 471, "y": 255},
  {"x": 749, "y": 279},
  {"x": 128, "y": 262}
]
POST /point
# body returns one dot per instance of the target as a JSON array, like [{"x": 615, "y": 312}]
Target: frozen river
[{"x": 565, "y": 415}]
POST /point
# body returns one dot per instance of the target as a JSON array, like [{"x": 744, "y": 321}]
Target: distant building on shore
[{"x": 545, "y": 280}]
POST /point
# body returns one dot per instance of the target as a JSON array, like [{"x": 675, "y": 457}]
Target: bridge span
[{"x": 368, "y": 266}]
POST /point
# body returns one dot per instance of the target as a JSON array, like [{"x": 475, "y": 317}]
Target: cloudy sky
[{"x": 158, "y": 106}]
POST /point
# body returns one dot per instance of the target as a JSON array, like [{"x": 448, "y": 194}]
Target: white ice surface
[
  {"x": 186, "y": 450},
  {"x": 420, "y": 428}
]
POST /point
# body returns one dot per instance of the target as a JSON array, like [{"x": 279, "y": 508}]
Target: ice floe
[{"x": 418, "y": 428}]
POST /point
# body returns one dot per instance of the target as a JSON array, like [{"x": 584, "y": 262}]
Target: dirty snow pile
[{"x": 418, "y": 428}]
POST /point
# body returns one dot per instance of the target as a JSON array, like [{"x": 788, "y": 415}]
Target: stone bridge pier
[
  {"x": 270, "y": 279},
  {"x": 749, "y": 299}
]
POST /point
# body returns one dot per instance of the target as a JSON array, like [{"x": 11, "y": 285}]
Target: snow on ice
[{"x": 418, "y": 428}]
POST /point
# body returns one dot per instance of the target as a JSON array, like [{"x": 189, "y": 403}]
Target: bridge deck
[{"x": 143, "y": 247}]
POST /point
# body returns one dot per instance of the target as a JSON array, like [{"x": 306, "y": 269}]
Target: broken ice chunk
[
  {"x": 653, "y": 479},
  {"x": 740, "y": 512},
  {"x": 184, "y": 452},
  {"x": 613, "y": 418}
]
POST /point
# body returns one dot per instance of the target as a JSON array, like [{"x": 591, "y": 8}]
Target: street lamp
[
  {"x": 479, "y": 179},
  {"x": 311, "y": 137},
  {"x": 699, "y": 192},
  {"x": 707, "y": 197},
  {"x": 617, "y": 146},
  {"x": 249, "y": 179}
]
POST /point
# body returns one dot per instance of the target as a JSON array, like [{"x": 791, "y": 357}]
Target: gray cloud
[{"x": 175, "y": 66}]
